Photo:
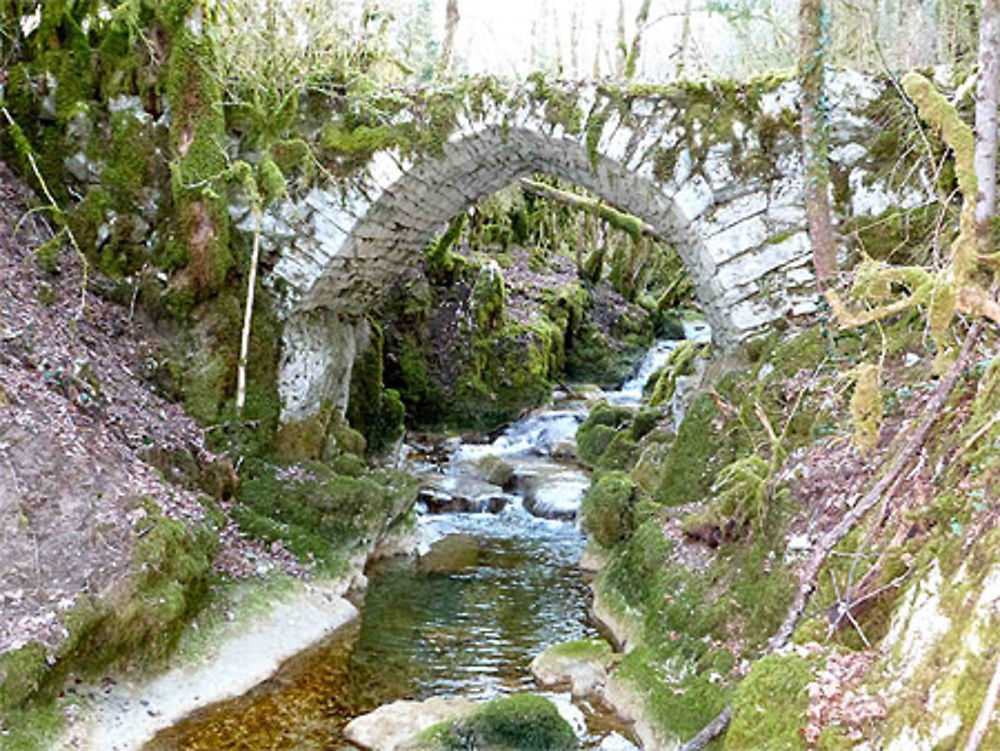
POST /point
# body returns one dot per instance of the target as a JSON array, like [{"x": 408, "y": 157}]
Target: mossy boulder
[
  {"x": 687, "y": 474},
  {"x": 138, "y": 621},
  {"x": 458, "y": 359},
  {"x": 496, "y": 471},
  {"x": 609, "y": 509},
  {"x": 523, "y": 722},
  {"x": 582, "y": 664},
  {"x": 599, "y": 431},
  {"x": 319, "y": 510}
]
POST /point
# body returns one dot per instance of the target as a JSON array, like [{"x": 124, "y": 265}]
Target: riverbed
[{"x": 496, "y": 581}]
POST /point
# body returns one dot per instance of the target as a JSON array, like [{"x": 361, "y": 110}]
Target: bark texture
[
  {"x": 986, "y": 126},
  {"x": 813, "y": 19}
]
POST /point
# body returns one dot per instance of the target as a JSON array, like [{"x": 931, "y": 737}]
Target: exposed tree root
[{"x": 914, "y": 442}]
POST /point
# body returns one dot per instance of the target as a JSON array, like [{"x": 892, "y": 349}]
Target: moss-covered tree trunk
[
  {"x": 986, "y": 125},
  {"x": 632, "y": 61},
  {"x": 813, "y": 39},
  {"x": 198, "y": 159}
]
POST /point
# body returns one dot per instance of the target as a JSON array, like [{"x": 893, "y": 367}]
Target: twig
[
  {"x": 807, "y": 578},
  {"x": 241, "y": 367}
]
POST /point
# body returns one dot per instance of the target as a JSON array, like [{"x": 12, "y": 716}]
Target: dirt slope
[{"x": 76, "y": 420}]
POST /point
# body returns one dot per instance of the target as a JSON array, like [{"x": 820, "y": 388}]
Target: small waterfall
[{"x": 631, "y": 391}]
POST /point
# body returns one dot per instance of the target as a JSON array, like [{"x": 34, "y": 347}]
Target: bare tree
[
  {"x": 597, "y": 50},
  {"x": 685, "y": 40},
  {"x": 448, "y": 46},
  {"x": 621, "y": 48},
  {"x": 813, "y": 36},
  {"x": 986, "y": 125},
  {"x": 574, "y": 42},
  {"x": 641, "y": 20}
]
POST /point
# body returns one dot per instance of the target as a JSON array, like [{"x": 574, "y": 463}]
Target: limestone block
[
  {"x": 384, "y": 169},
  {"x": 753, "y": 315},
  {"x": 717, "y": 166},
  {"x": 693, "y": 198},
  {"x": 616, "y": 146},
  {"x": 784, "y": 97},
  {"x": 643, "y": 149},
  {"x": 769, "y": 256},
  {"x": 848, "y": 154},
  {"x": 736, "y": 239},
  {"x": 725, "y": 215},
  {"x": 317, "y": 356},
  {"x": 683, "y": 166}
]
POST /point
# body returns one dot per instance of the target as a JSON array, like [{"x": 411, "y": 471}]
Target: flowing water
[{"x": 465, "y": 618}]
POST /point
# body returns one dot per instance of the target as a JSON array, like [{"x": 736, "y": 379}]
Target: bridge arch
[{"x": 740, "y": 231}]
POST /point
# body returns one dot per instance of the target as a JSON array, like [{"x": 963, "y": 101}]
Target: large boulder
[
  {"x": 582, "y": 665},
  {"x": 396, "y": 726}
]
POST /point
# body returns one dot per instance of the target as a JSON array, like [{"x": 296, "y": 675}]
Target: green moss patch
[
  {"x": 320, "y": 510},
  {"x": 523, "y": 722},
  {"x": 139, "y": 622},
  {"x": 769, "y": 708},
  {"x": 608, "y": 509}
]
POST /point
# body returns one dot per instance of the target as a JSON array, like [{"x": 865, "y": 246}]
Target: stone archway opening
[
  {"x": 327, "y": 330},
  {"x": 394, "y": 225}
]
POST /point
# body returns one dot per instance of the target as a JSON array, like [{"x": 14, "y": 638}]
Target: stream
[{"x": 496, "y": 582}]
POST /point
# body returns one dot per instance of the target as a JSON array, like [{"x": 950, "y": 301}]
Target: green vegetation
[
  {"x": 608, "y": 509},
  {"x": 140, "y": 622},
  {"x": 374, "y": 411},
  {"x": 321, "y": 510},
  {"x": 523, "y": 722},
  {"x": 582, "y": 649},
  {"x": 599, "y": 431},
  {"x": 770, "y": 705}
]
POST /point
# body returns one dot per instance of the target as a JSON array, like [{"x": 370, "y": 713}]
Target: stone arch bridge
[{"x": 714, "y": 168}]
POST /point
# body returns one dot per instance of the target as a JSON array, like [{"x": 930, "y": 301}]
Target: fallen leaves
[{"x": 836, "y": 698}]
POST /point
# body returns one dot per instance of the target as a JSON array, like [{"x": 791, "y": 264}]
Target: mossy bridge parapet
[{"x": 713, "y": 167}]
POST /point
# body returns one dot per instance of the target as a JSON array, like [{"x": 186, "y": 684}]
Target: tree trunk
[
  {"x": 986, "y": 126},
  {"x": 620, "y": 44},
  {"x": 632, "y": 225},
  {"x": 448, "y": 46},
  {"x": 685, "y": 40},
  {"x": 597, "y": 53},
  {"x": 632, "y": 61},
  {"x": 574, "y": 43},
  {"x": 813, "y": 38},
  {"x": 557, "y": 32}
]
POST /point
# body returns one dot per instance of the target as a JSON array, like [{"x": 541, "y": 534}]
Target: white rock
[{"x": 393, "y": 726}]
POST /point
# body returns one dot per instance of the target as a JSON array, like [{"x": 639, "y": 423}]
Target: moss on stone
[
  {"x": 318, "y": 513},
  {"x": 376, "y": 412},
  {"x": 689, "y": 469},
  {"x": 522, "y": 722},
  {"x": 303, "y": 439},
  {"x": 137, "y": 622},
  {"x": 599, "y": 430},
  {"x": 198, "y": 158},
  {"x": 770, "y": 704},
  {"x": 680, "y": 362},
  {"x": 583, "y": 649},
  {"x": 608, "y": 509}
]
